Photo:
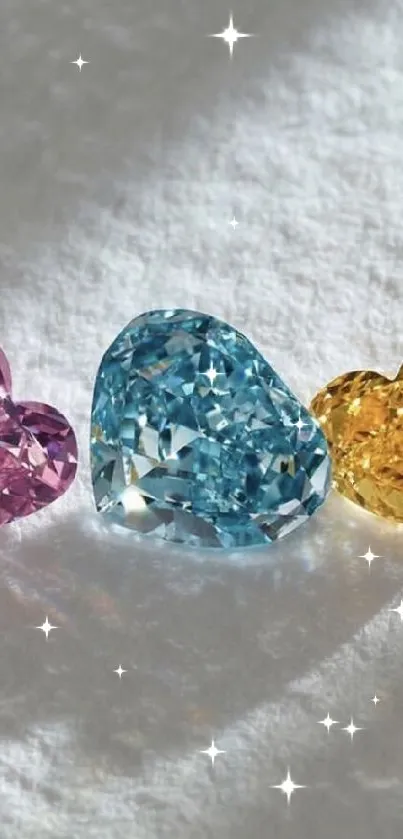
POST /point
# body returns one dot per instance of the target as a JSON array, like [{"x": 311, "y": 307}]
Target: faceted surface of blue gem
[{"x": 195, "y": 438}]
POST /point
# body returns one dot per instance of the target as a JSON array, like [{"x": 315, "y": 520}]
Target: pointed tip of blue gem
[{"x": 195, "y": 438}]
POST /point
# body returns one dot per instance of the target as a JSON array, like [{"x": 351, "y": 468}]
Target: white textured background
[{"x": 116, "y": 188}]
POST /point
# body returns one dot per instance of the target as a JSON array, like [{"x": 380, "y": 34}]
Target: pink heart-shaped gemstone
[{"x": 38, "y": 453}]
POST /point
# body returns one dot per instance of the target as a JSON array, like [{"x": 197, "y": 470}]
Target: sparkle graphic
[
  {"x": 375, "y": 699},
  {"x": 46, "y": 627},
  {"x": 299, "y": 424},
  {"x": 399, "y": 610},
  {"x": 212, "y": 752},
  {"x": 211, "y": 375},
  {"x": 328, "y": 722},
  {"x": 369, "y": 556},
  {"x": 233, "y": 223},
  {"x": 351, "y": 728},
  {"x": 80, "y": 62},
  {"x": 288, "y": 787},
  {"x": 120, "y": 671},
  {"x": 230, "y": 35}
]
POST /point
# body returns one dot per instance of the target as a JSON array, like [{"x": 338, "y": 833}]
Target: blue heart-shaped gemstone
[{"x": 196, "y": 438}]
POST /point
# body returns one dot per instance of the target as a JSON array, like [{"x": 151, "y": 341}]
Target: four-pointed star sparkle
[
  {"x": 351, "y": 728},
  {"x": 234, "y": 223},
  {"x": 119, "y": 670},
  {"x": 288, "y": 786},
  {"x": 399, "y": 610},
  {"x": 375, "y": 699},
  {"x": 46, "y": 627},
  {"x": 231, "y": 35},
  {"x": 80, "y": 62},
  {"x": 369, "y": 556},
  {"x": 328, "y": 722},
  {"x": 300, "y": 424},
  {"x": 212, "y": 752}
]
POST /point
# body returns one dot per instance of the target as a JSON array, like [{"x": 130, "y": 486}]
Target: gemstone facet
[
  {"x": 196, "y": 438},
  {"x": 361, "y": 414},
  {"x": 38, "y": 453}
]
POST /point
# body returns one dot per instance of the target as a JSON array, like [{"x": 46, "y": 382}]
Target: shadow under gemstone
[{"x": 205, "y": 636}]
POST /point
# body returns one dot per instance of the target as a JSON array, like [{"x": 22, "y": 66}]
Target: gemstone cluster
[{"x": 195, "y": 438}]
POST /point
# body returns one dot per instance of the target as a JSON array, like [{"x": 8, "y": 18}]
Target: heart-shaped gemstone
[
  {"x": 38, "y": 453},
  {"x": 361, "y": 414},
  {"x": 196, "y": 438}
]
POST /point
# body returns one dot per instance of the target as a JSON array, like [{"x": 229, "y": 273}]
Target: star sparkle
[
  {"x": 46, "y": 627},
  {"x": 351, "y": 728},
  {"x": 119, "y": 670},
  {"x": 369, "y": 557},
  {"x": 300, "y": 424},
  {"x": 375, "y": 699},
  {"x": 328, "y": 722},
  {"x": 288, "y": 787},
  {"x": 399, "y": 610},
  {"x": 230, "y": 35},
  {"x": 212, "y": 752},
  {"x": 80, "y": 62},
  {"x": 211, "y": 374},
  {"x": 233, "y": 223}
]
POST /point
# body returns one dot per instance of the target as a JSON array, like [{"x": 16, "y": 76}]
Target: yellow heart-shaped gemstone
[{"x": 361, "y": 414}]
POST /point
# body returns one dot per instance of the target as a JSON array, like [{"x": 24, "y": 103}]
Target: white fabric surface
[{"x": 117, "y": 185}]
